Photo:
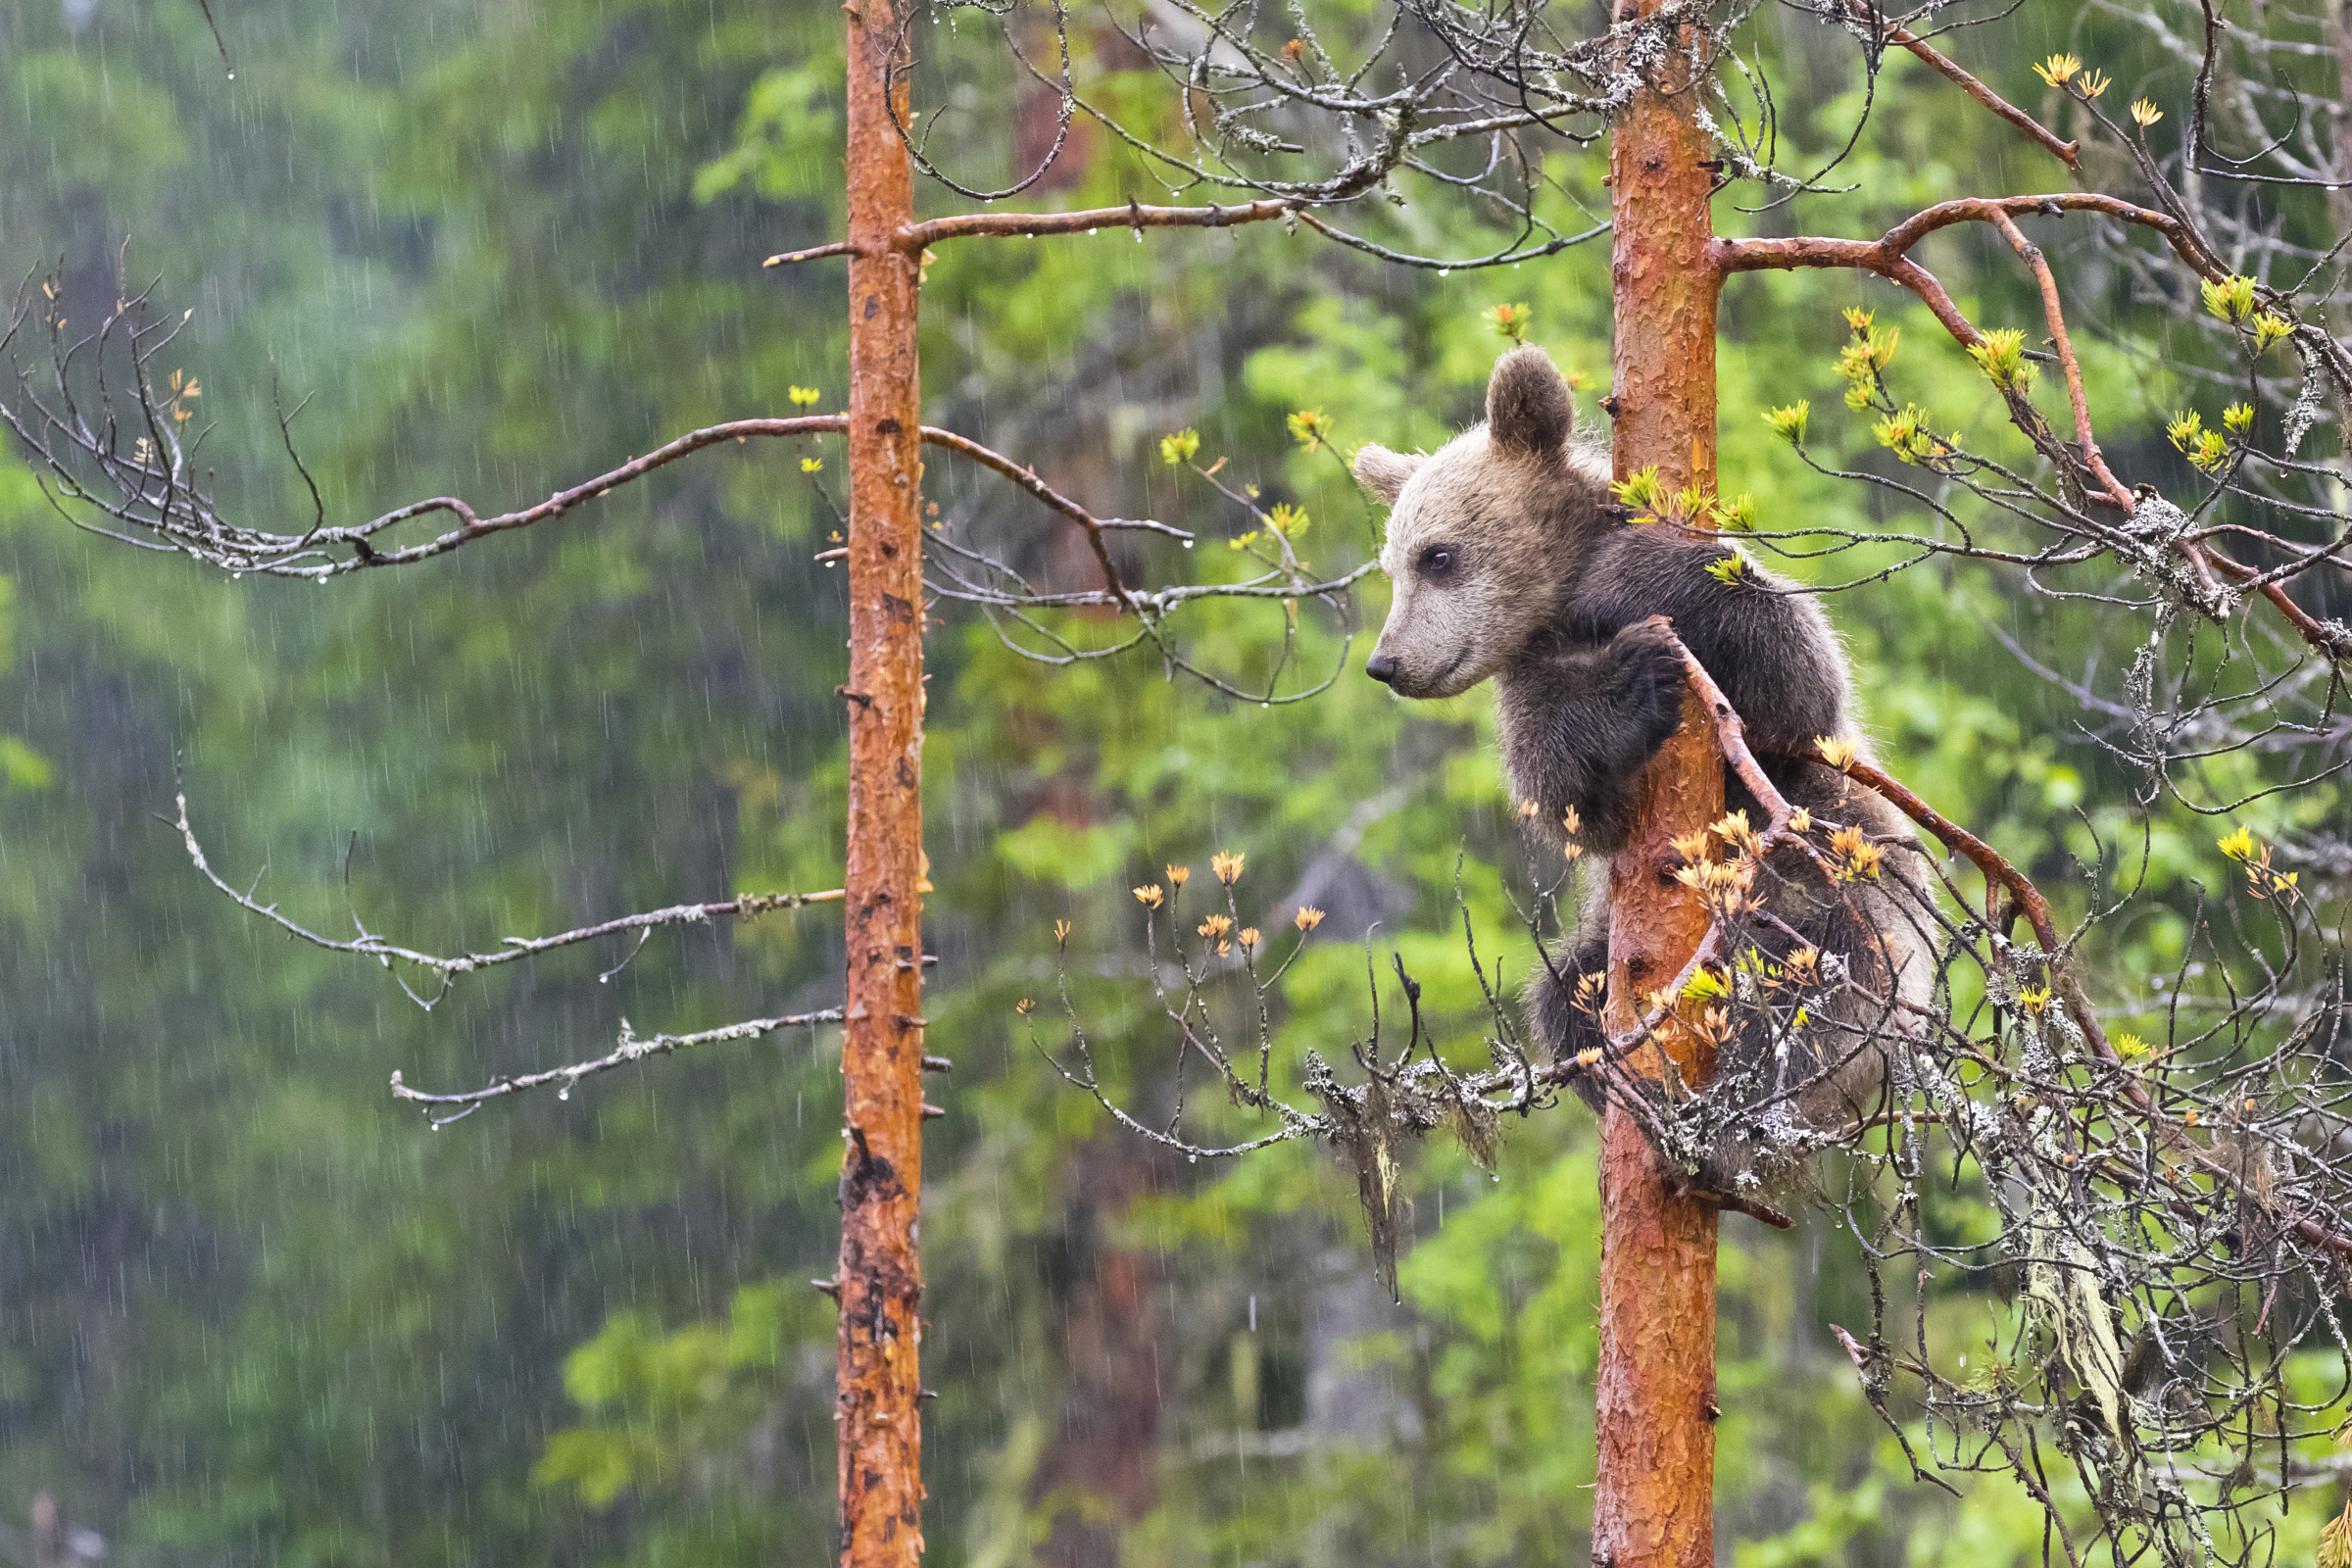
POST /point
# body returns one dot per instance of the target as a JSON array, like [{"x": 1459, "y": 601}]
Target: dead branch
[
  {"x": 151, "y": 495},
  {"x": 839, "y": 247},
  {"x": 915, "y": 239},
  {"x": 446, "y": 968},
  {"x": 1134, "y": 215},
  {"x": 631, "y": 1049}
]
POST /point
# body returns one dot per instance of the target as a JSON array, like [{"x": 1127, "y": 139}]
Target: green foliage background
[{"x": 254, "y": 1311}]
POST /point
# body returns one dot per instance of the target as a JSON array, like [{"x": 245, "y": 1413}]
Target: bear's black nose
[{"x": 1381, "y": 667}]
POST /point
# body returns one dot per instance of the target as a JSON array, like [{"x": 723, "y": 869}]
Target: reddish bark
[
  {"x": 879, "y": 1286},
  {"x": 1665, "y": 283},
  {"x": 1656, "y": 1396}
]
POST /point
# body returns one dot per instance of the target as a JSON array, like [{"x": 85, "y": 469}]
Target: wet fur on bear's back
[{"x": 1509, "y": 559}]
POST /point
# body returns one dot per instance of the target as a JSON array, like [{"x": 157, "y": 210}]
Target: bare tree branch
[
  {"x": 630, "y": 1050},
  {"x": 446, "y": 968}
]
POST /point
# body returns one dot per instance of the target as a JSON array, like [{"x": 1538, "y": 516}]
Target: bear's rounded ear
[
  {"x": 1384, "y": 473},
  {"x": 1528, "y": 406}
]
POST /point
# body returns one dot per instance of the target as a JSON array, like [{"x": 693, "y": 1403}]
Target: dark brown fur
[{"x": 1509, "y": 559}]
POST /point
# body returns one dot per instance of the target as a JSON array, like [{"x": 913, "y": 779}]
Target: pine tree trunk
[
  {"x": 1654, "y": 1507},
  {"x": 878, "y": 1414}
]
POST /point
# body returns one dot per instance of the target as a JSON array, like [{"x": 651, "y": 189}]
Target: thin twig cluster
[{"x": 2166, "y": 1217}]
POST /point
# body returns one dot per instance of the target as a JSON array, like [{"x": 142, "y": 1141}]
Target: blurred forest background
[{"x": 252, "y": 1310}]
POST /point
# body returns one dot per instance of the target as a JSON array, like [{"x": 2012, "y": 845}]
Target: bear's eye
[{"x": 1436, "y": 561}]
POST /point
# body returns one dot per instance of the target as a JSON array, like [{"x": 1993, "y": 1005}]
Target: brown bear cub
[{"x": 1509, "y": 557}]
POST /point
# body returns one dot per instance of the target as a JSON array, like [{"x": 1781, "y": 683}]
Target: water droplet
[
  {"x": 1265, "y": 705},
  {"x": 1192, "y": 1160},
  {"x": 1090, "y": 233},
  {"x": 232, "y": 75},
  {"x": 564, "y": 1093},
  {"x": 1445, "y": 272},
  {"x": 1188, "y": 544}
]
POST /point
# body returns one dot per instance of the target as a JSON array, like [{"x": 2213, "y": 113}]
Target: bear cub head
[{"x": 1485, "y": 535}]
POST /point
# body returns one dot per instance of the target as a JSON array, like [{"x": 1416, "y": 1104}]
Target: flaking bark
[
  {"x": 878, "y": 1413},
  {"x": 1656, "y": 1395}
]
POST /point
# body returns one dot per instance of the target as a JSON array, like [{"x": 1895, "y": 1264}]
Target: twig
[
  {"x": 1879, "y": 255},
  {"x": 915, "y": 236},
  {"x": 2053, "y": 313},
  {"x": 2066, "y": 152},
  {"x": 1889, "y": 257},
  {"x": 1028, "y": 480},
  {"x": 631, "y": 1049},
  {"x": 226, "y": 65},
  {"x": 1730, "y": 733},
  {"x": 188, "y": 522},
  {"x": 840, "y": 247},
  {"x": 448, "y": 967}
]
